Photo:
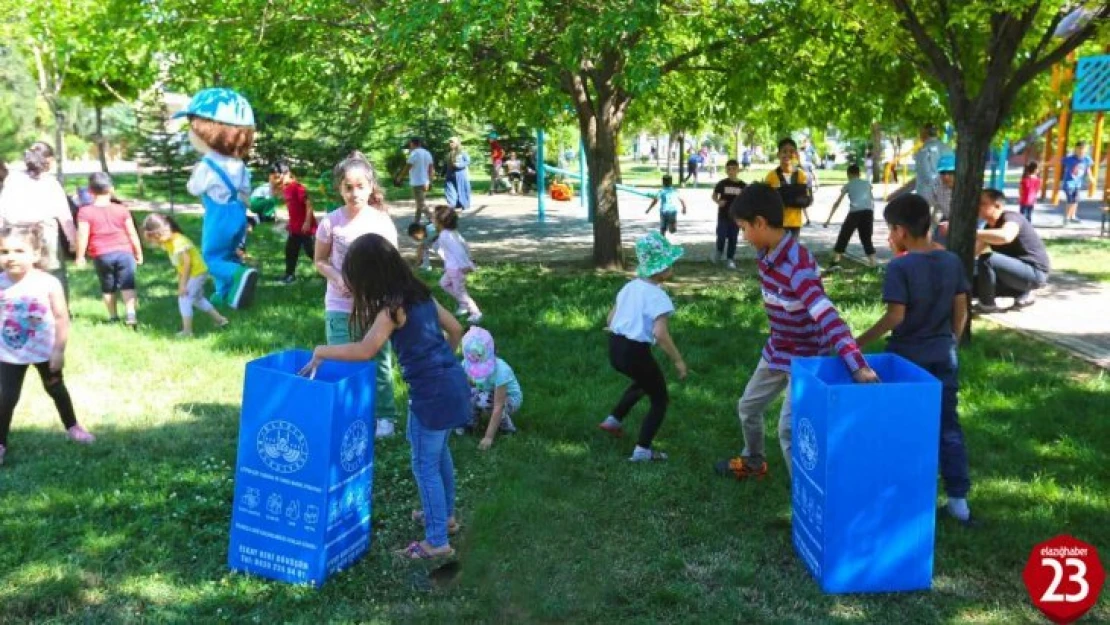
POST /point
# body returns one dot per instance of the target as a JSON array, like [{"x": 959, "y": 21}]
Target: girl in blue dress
[{"x": 396, "y": 306}]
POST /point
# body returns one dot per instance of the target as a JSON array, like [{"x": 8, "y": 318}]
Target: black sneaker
[
  {"x": 288, "y": 280},
  {"x": 988, "y": 309}
]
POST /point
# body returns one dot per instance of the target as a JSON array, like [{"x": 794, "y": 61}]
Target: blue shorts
[
  {"x": 116, "y": 271},
  {"x": 1071, "y": 194}
]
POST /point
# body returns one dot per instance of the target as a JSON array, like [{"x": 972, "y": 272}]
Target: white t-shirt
[
  {"x": 419, "y": 162},
  {"x": 339, "y": 231},
  {"x": 42, "y": 200},
  {"x": 639, "y": 304},
  {"x": 206, "y": 181}
]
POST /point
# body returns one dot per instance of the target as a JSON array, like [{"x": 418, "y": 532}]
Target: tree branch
[
  {"x": 950, "y": 34},
  {"x": 942, "y": 67},
  {"x": 1034, "y": 65},
  {"x": 677, "y": 62}
]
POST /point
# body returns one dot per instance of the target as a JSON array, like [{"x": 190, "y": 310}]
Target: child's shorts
[
  {"x": 668, "y": 221},
  {"x": 1071, "y": 194},
  {"x": 116, "y": 271}
]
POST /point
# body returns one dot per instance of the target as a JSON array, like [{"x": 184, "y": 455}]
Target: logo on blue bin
[
  {"x": 356, "y": 441},
  {"x": 807, "y": 444},
  {"x": 282, "y": 447}
]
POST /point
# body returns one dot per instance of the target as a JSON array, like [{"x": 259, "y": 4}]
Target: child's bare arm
[
  {"x": 60, "y": 311},
  {"x": 835, "y": 206},
  {"x": 500, "y": 397},
  {"x": 82, "y": 241},
  {"x": 450, "y": 325},
  {"x": 133, "y": 237},
  {"x": 894, "y": 315},
  {"x": 959, "y": 315},
  {"x": 651, "y": 206},
  {"x": 662, "y": 334}
]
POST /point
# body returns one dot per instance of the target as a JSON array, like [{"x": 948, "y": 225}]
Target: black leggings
[
  {"x": 634, "y": 359},
  {"x": 864, "y": 221},
  {"x": 293, "y": 247},
  {"x": 11, "y": 385}
]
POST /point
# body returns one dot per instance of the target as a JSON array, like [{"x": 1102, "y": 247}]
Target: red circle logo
[{"x": 1064, "y": 577}]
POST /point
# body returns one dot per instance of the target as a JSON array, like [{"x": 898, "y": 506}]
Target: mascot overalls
[{"x": 221, "y": 127}]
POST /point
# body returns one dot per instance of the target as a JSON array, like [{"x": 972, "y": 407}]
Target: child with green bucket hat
[{"x": 638, "y": 320}]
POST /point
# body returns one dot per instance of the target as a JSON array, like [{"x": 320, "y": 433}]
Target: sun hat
[
  {"x": 479, "y": 360},
  {"x": 219, "y": 105},
  {"x": 946, "y": 164},
  {"x": 655, "y": 254}
]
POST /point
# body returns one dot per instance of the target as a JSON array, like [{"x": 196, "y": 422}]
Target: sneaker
[
  {"x": 426, "y": 267},
  {"x": 988, "y": 309},
  {"x": 79, "y": 434},
  {"x": 288, "y": 280},
  {"x": 474, "y": 318},
  {"x": 647, "y": 455},
  {"x": 384, "y": 428},
  {"x": 731, "y": 264},
  {"x": 612, "y": 426},
  {"x": 1025, "y": 302},
  {"x": 461, "y": 311},
  {"x": 740, "y": 468},
  {"x": 245, "y": 286},
  {"x": 507, "y": 426},
  {"x": 1076, "y": 220}
]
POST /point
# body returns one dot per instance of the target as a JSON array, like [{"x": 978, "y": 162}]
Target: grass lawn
[
  {"x": 558, "y": 526},
  {"x": 1086, "y": 258}
]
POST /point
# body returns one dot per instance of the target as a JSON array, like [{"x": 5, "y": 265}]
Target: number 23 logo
[{"x": 1051, "y": 594}]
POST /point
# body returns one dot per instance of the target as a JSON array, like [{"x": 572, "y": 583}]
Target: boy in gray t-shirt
[{"x": 861, "y": 216}]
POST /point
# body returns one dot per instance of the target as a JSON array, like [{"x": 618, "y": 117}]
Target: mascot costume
[{"x": 221, "y": 128}]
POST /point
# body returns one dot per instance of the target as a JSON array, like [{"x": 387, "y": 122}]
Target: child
[
  {"x": 803, "y": 323},
  {"x": 668, "y": 200},
  {"x": 106, "y": 233},
  {"x": 35, "y": 323},
  {"x": 939, "y": 196},
  {"x": 792, "y": 184},
  {"x": 926, "y": 295},
  {"x": 861, "y": 216},
  {"x": 640, "y": 318},
  {"x": 301, "y": 227},
  {"x": 397, "y": 306},
  {"x": 192, "y": 273},
  {"x": 426, "y": 236},
  {"x": 515, "y": 177},
  {"x": 1028, "y": 189},
  {"x": 727, "y": 232},
  {"x": 363, "y": 212},
  {"x": 494, "y": 389},
  {"x": 456, "y": 262},
  {"x": 262, "y": 204}
]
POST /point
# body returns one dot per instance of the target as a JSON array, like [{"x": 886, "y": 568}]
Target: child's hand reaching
[
  {"x": 680, "y": 367},
  {"x": 866, "y": 375},
  {"x": 485, "y": 444},
  {"x": 309, "y": 370}
]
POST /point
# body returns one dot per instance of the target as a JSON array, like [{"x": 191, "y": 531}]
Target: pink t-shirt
[
  {"x": 338, "y": 230},
  {"x": 1028, "y": 189},
  {"x": 26, "y": 320}
]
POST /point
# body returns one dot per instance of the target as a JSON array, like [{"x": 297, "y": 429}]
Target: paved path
[{"x": 1070, "y": 312}]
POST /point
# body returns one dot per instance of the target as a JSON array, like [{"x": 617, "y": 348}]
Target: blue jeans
[
  {"x": 953, "y": 452},
  {"x": 998, "y": 274},
  {"x": 727, "y": 232},
  {"x": 435, "y": 478}
]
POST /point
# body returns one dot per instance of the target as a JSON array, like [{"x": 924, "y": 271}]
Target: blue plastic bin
[
  {"x": 304, "y": 472},
  {"x": 864, "y": 484}
]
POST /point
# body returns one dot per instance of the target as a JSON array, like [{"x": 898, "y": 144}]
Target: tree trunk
[
  {"x": 101, "y": 144},
  {"x": 971, "y": 159},
  {"x": 876, "y": 153},
  {"x": 736, "y": 140},
  {"x": 670, "y": 146},
  {"x": 59, "y": 142},
  {"x": 600, "y": 134}
]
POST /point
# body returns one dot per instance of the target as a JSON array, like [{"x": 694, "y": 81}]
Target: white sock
[
  {"x": 958, "y": 508},
  {"x": 611, "y": 421}
]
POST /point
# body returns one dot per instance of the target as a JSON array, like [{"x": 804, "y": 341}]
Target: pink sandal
[{"x": 416, "y": 551}]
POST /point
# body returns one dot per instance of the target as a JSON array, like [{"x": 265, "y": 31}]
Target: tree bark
[
  {"x": 876, "y": 153},
  {"x": 59, "y": 141},
  {"x": 101, "y": 144},
  {"x": 600, "y": 134}
]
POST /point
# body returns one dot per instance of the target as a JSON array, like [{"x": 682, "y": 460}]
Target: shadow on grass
[{"x": 559, "y": 527}]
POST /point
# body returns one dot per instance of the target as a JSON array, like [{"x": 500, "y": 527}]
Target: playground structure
[{"x": 582, "y": 178}]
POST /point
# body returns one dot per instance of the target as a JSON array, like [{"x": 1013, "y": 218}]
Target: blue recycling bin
[
  {"x": 304, "y": 472},
  {"x": 864, "y": 482}
]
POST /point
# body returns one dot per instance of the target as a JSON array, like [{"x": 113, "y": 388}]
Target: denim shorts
[
  {"x": 116, "y": 271},
  {"x": 1071, "y": 194}
]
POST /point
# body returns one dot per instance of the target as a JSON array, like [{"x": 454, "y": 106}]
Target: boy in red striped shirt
[{"x": 803, "y": 323}]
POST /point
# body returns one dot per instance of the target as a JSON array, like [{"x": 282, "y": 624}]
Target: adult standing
[
  {"x": 1076, "y": 170},
  {"x": 420, "y": 168},
  {"x": 35, "y": 197},
  {"x": 456, "y": 185},
  {"x": 1012, "y": 259}
]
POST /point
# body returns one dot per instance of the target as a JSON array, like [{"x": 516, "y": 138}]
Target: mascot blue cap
[{"x": 219, "y": 105}]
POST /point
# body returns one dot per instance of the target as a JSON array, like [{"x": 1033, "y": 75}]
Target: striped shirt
[{"x": 803, "y": 319}]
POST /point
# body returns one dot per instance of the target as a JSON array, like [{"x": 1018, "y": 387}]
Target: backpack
[{"x": 794, "y": 194}]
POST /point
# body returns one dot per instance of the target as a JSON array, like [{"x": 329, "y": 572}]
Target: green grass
[
  {"x": 558, "y": 526},
  {"x": 1086, "y": 258}
]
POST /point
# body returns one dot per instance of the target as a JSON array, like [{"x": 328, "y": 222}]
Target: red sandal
[{"x": 416, "y": 551}]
